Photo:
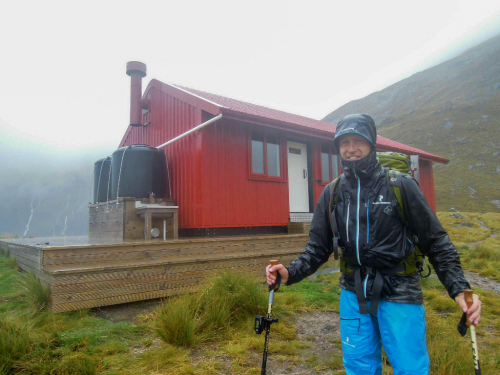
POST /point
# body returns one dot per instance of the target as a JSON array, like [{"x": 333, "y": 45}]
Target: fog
[
  {"x": 64, "y": 97},
  {"x": 45, "y": 188}
]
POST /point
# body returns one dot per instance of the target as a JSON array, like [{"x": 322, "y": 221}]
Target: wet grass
[
  {"x": 212, "y": 332},
  {"x": 477, "y": 237}
]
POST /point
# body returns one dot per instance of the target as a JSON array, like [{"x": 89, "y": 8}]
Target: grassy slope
[{"x": 419, "y": 111}]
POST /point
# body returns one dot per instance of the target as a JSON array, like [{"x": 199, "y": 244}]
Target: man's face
[{"x": 353, "y": 147}]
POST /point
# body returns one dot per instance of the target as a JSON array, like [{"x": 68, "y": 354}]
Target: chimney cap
[{"x": 136, "y": 67}]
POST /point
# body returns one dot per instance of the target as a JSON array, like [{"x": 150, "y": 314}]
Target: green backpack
[{"x": 398, "y": 164}]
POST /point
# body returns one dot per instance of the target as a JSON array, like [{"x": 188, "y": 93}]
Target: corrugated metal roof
[
  {"x": 230, "y": 105},
  {"x": 261, "y": 111}
]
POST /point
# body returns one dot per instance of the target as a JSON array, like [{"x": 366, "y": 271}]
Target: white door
[{"x": 298, "y": 186}]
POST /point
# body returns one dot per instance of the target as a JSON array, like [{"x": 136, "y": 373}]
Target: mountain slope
[
  {"x": 452, "y": 110},
  {"x": 45, "y": 188}
]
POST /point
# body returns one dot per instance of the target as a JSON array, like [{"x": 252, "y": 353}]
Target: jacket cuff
[
  {"x": 457, "y": 288},
  {"x": 290, "y": 273}
]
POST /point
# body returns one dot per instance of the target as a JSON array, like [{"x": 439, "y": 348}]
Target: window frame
[
  {"x": 264, "y": 176},
  {"x": 330, "y": 162}
]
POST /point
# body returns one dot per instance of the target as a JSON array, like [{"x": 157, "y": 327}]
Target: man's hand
[
  {"x": 474, "y": 311},
  {"x": 279, "y": 268}
]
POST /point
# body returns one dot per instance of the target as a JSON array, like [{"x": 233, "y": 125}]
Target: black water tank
[
  {"x": 101, "y": 178},
  {"x": 138, "y": 170}
]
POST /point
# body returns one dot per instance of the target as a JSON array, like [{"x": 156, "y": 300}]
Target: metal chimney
[{"x": 136, "y": 70}]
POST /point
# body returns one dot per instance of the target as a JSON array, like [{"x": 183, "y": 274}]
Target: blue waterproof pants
[{"x": 399, "y": 327}]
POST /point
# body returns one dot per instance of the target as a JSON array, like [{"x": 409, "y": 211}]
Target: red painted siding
[
  {"x": 170, "y": 117},
  {"x": 316, "y": 163},
  {"x": 209, "y": 168},
  {"x": 229, "y": 198},
  {"x": 427, "y": 182}
]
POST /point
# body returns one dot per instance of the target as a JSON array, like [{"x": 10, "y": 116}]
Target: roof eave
[{"x": 277, "y": 124}]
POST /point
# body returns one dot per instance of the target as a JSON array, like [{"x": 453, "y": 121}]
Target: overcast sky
[{"x": 62, "y": 63}]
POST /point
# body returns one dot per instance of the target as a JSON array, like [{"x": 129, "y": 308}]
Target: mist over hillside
[
  {"x": 452, "y": 110},
  {"x": 45, "y": 188}
]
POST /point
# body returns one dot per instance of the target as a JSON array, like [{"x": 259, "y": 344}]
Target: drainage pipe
[{"x": 191, "y": 130}]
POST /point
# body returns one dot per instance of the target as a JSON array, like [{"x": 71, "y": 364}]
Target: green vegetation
[
  {"x": 191, "y": 319},
  {"x": 477, "y": 239},
  {"x": 211, "y": 332}
]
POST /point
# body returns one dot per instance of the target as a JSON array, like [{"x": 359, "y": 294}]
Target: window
[
  {"x": 258, "y": 152},
  {"x": 273, "y": 156},
  {"x": 329, "y": 164},
  {"x": 266, "y": 155}
]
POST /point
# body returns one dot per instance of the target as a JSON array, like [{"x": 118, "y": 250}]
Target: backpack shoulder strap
[
  {"x": 332, "y": 205},
  {"x": 394, "y": 178}
]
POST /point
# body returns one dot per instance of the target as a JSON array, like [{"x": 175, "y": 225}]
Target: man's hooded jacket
[{"x": 372, "y": 234}]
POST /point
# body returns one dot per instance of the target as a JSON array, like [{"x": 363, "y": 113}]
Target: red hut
[{"x": 240, "y": 167}]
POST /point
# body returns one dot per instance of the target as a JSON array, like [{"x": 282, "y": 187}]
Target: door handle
[{"x": 304, "y": 172}]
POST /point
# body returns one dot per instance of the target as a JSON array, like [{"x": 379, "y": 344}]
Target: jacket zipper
[
  {"x": 368, "y": 221},
  {"x": 367, "y": 238},
  {"x": 347, "y": 219},
  {"x": 357, "y": 230},
  {"x": 357, "y": 221},
  {"x": 364, "y": 285}
]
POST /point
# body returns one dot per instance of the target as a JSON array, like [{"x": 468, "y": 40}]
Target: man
[{"x": 380, "y": 304}]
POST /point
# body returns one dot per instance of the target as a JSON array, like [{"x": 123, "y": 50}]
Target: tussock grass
[
  {"x": 36, "y": 293},
  {"x": 191, "y": 319},
  {"x": 177, "y": 323},
  {"x": 15, "y": 343}
]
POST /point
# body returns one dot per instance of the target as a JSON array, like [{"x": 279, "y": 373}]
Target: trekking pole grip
[
  {"x": 276, "y": 284},
  {"x": 274, "y": 263},
  {"x": 469, "y": 300}
]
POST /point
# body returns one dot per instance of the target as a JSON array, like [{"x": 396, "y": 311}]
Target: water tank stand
[{"x": 150, "y": 211}]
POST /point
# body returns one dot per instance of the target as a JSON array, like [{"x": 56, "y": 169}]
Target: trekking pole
[
  {"x": 475, "y": 354},
  {"x": 262, "y": 322}
]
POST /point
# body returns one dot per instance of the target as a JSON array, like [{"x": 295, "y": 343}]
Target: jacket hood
[
  {"x": 364, "y": 126},
  {"x": 356, "y": 124}
]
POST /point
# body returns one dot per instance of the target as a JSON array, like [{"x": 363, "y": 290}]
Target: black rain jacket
[{"x": 376, "y": 238}]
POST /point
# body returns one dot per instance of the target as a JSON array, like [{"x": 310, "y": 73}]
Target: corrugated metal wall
[
  {"x": 230, "y": 198},
  {"x": 427, "y": 182},
  {"x": 170, "y": 117},
  {"x": 210, "y": 185}
]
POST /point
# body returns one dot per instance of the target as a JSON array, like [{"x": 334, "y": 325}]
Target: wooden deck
[{"x": 87, "y": 276}]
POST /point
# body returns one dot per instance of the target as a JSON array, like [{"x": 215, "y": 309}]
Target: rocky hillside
[{"x": 452, "y": 110}]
